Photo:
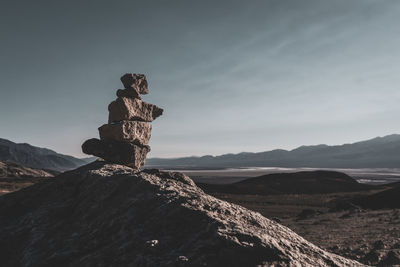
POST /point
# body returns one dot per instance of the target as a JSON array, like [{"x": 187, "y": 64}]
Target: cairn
[{"x": 124, "y": 140}]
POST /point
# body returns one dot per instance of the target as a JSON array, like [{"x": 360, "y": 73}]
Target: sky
[{"x": 232, "y": 76}]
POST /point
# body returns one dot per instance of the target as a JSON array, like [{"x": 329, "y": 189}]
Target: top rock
[{"x": 135, "y": 81}]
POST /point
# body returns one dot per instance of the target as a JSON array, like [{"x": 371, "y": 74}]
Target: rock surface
[
  {"x": 128, "y": 131},
  {"x": 111, "y": 215},
  {"x": 124, "y": 108},
  {"x": 135, "y": 81},
  {"x": 129, "y": 154}
]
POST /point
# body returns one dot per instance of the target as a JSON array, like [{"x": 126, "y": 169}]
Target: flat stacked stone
[
  {"x": 124, "y": 140},
  {"x": 127, "y": 131},
  {"x": 126, "y": 108}
]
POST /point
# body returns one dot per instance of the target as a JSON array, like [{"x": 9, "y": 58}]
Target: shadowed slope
[
  {"x": 313, "y": 182},
  {"x": 389, "y": 199}
]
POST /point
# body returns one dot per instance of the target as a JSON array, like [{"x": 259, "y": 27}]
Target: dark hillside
[{"x": 313, "y": 182}]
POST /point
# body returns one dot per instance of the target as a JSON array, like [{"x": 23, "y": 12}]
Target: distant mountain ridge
[
  {"x": 379, "y": 152},
  {"x": 36, "y": 157}
]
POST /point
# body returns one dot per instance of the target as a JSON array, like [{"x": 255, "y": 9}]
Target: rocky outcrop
[
  {"x": 124, "y": 140},
  {"x": 111, "y": 215}
]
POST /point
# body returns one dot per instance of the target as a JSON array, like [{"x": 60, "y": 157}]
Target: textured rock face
[
  {"x": 136, "y": 81},
  {"x": 129, "y": 154},
  {"x": 110, "y": 215},
  {"x": 124, "y": 108},
  {"x": 128, "y": 131},
  {"x": 125, "y": 138}
]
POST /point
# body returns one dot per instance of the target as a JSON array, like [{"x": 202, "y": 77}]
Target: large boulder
[
  {"x": 124, "y": 108},
  {"x": 136, "y": 81},
  {"x": 127, "y": 131},
  {"x": 129, "y": 154},
  {"x": 111, "y": 215}
]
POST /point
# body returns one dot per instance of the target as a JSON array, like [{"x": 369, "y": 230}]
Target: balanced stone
[
  {"x": 129, "y": 92},
  {"x": 117, "y": 152},
  {"x": 124, "y": 108},
  {"x": 137, "y": 81},
  {"x": 124, "y": 139},
  {"x": 129, "y": 131}
]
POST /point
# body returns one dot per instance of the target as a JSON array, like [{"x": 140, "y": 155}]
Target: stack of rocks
[{"x": 124, "y": 140}]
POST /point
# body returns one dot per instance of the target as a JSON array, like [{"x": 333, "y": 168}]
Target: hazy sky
[{"x": 232, "y": 76}]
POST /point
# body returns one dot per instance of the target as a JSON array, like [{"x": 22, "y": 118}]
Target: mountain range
[
  {"x": 39, "y": 158},
  {"x": 379, "y": 152}
]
